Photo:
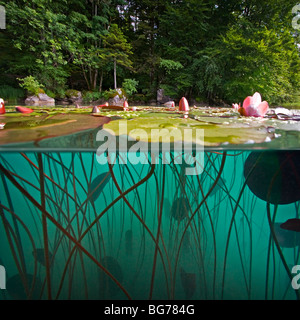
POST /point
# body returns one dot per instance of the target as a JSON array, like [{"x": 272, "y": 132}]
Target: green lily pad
[
  {"x": 33, "y": 127},
  {"x": 216, "y": 131},
  {"x": 73, "y": 128}
]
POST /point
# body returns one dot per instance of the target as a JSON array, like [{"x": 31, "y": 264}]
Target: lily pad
[
  {"x": 77, "y": 128},
  {"x": 38, "y": 127},
  {"x": 174, "y": 128}
]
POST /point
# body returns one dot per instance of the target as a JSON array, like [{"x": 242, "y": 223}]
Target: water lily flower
[
  {"x": 169, "y": 104},
  {"x": 2, "y": 125},
  {"x": 125, "y": 106},
  {"x": 95, "y": 109},
  {"x": 183, "y": 105},
  {"x": 2, "y": 107},
  {"x": 103, "y": 105},
  {"x": 236, "y": 106},
  {"x": 253, "y": 106}
]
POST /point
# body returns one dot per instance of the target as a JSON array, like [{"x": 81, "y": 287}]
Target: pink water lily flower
[
  {"x": 236, "y": 106},
  {"x": 2, "y": 107},
  {"x": 253, "y": 106}
]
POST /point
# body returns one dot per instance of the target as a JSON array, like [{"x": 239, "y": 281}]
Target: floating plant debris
[{"x": 274, "y": 176}]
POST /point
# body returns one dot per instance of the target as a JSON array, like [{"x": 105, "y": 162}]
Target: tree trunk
[
  {"x": 85, "y": 77},
  {"x": 95, "y": 79},
  {"x": 101, "y": 81},
  {"x": 115, "y": 73}
]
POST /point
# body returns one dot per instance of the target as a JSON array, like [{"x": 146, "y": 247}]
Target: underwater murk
[{"x": 72, "y": 228}]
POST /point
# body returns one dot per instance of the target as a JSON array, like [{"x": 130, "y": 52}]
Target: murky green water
[{"x": 74, "y": 229}]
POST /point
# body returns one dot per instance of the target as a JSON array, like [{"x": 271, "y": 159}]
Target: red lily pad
[{"x": 24, "y": 109}]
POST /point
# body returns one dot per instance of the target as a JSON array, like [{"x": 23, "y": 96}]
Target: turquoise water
[{"x": 160, "y": 233}]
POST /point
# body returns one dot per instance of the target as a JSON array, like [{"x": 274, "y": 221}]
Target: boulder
[
  {"x": 161, "y": 98},
  {"x": 62, "y": 101},
  {"x": 118, "y": 99},
  {"x": 42, "y": 99},
  {"x": 74, "y": 96}
]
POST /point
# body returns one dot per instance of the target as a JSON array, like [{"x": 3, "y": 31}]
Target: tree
[
  {"x": 39, "y": 29},
  {"x": 88, "y": 24},
  {"x": 117, "y": 49},
  {"x": 208, "y": 50}
]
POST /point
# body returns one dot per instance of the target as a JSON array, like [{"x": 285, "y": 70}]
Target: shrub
[
  {"x": 32, "y": 86},
  {"x": 111, "y": 93},
  {"x": 90, "y": 96},
  {"x": 130, "y": 86},
  {"x": 72, "y": 93}
]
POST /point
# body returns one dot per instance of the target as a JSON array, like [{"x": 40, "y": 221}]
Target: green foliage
[
  {"x": 293, "y": 103},
  {"x": 32, "y": 86},
  {"x": 90, "y": 96},
  {"x": 11, "y": 94},
  {"x": 216, "y": 50},
  {"x": 170, "y": 65},
  {"x": 130, "y": 86},
  {"x": 72, "y": 93},
  {"x": 265, "y": 61},
  {"x": 111, "y": 93},
  {"x": 116, "y": 49}
]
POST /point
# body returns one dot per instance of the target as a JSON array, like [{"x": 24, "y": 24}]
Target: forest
[{"x": 215, "y": 52}]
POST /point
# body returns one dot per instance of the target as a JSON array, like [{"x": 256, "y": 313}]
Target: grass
[{"x": 11, "y": 94}]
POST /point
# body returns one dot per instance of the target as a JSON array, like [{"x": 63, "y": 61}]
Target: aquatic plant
[
  {"x": 253, "y": 106},
  {"x": 183, "y": 104},
  {"x": 114, "y": 231},
  {"x": 2, "y": 106}
]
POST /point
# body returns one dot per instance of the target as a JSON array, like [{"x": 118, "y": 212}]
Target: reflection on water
[{"x": 74, "y": 229}]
